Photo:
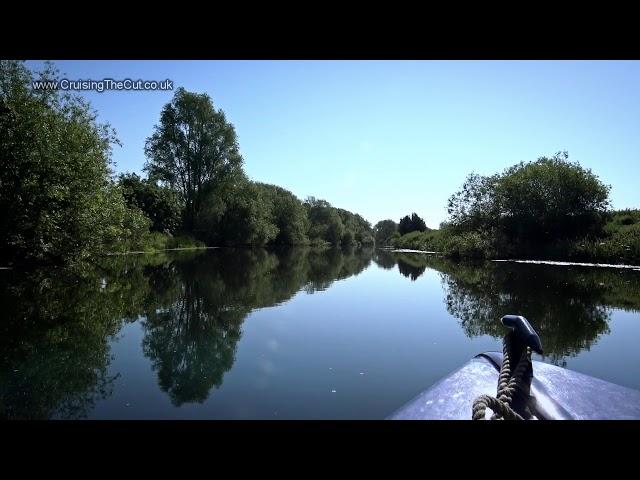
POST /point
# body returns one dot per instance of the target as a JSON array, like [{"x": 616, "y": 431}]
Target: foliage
[
  {"x": 468, "y": 245},
  {"x": 619, "y": 243},
  {"x": 383, "y": 231},
  {"x": 155, "y": 242},
  {"x": 325, "y": 222},
  {"x": 62, "y": 205},
  {"x": 193, "y": 149},
  {"x": 287, "y": 213},
  {"x": 550, "y": 208},
  {"x": 532, "y": 203},
  {"x": 244, "y": 217},
  {"x": 58, "y": 202},
  {"x": 411, "y": 224},
  {"x": 336, "y": 225},
  {"x": 347, "y": 238},
  {"x": 474, "y": 206},
  {"x": 357, "y": 229},
  {"x": 160, "y": 204},
  {"x": 431, "y": 240}
]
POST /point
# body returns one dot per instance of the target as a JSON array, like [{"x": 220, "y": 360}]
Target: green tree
[
  {"x": 384, "y": 230},
  {"x": 533, "y": 203},
  {"x": 360, "y": 229},
  {"x": 160, "y": 204},
  {"x": 193, "y": 149},
  {"x": 474, "y": 206},
  {"x": 347, "y": 238},
  {"x": 417, "y": 223},
  {"x": 242, "y": 216},
  {"x": 411, "y": 224},
  {"x": 404, "y": 226},
  {"x": 324, "y": 221},
  {"x": 288, "y": 214},
  {"x": 551, "y": 198},
  {"x": 57, "y": 199}
]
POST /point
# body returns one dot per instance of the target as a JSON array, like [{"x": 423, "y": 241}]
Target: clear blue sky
[{"x": 385, "y": 138}]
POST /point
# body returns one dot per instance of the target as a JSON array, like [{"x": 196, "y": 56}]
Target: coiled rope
[{"x": 509, "y": 384}]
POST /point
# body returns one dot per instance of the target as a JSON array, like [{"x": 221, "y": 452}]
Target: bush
[
  {"x": 532, "y": 203},
  {"x": 468, "y": 245},
  {"x": 347, "y": 238},
  {"x": 57, "y": 199},
  {"x": 158, "y": 203},
  {"x": 622, "y": 245},
  {"x": 157, "y": 242},
  {"x": 184, "y": 241}
]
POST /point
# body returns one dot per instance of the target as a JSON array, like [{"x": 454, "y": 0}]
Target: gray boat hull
[{"x": 556, "y": 394}]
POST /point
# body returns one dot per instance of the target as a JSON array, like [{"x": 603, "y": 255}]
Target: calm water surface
[{"x": 292, "y": 333}]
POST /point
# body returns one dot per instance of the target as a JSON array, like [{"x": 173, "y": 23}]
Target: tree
[
  {"x": 360, "y": 229},
  {"x": 404, "y": 226},
  {"x": 365, "y": 239},
  {"x": 347, "y": 238},
  {"x": 417, "y": 223},
  {"x": 288, "y": 215},
  {"x": 193, "y": 149},
  {"x": 474, "y": 206},
  {"x": 535, "y": 203},
  {"x": 159, "y": 204},
  {"x": 384, "y": 230},
  {"x": 549, "y": 199},
  {"x": 324, "y": 221},
  {"x": 411, "y": 224},
  {"x": 57, "y": 199},
  {"x": 244, "y": 217}
]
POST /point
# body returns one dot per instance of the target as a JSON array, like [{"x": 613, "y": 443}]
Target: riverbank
[
  {"x": 635, "y": 267},
  {"x": 573, "y": 264},
  {"x": 408, "y": 250},
  {"x": 534, "y": 262},
  {"x": 618, "y": 243},
  {"x": 148, "y": 252}
]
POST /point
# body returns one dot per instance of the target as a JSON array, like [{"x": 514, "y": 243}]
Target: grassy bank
[
  {"x": 157, "y": 242},
  {"x": 618, "y": 242}
]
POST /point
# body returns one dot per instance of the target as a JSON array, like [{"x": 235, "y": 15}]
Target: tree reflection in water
[
  {"x": 57, "y": 326},
  {"x": 570, "y": 307},
  {"x": 192, "y": 343}
]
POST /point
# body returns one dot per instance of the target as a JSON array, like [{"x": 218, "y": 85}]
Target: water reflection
[
  {"x": 57, "y": 326},
  {"x": 385, "y": 258},
  {"x": 410, "y": 268},
  {"x": 54, "y": 339},
  {"x": 570, "y": 307}
]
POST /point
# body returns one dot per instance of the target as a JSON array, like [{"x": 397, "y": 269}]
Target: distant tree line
[
  {"x": 194, "y": 152},
  {"x": 386, "y": 231},
  {"x": 61, "y": 202}
]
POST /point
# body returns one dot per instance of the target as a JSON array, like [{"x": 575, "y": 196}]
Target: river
[{"x": 292, "y": 333}]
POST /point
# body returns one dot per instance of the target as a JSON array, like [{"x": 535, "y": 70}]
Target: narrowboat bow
[{"x": 526, "y": 389}]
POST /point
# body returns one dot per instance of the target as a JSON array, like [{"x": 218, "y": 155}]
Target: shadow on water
[
  {"x": 56, "y": 326},
  {"x": 570, "y": 307}
]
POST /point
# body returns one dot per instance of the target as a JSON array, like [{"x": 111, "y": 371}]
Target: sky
[{"x": 388, "y": 138}]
